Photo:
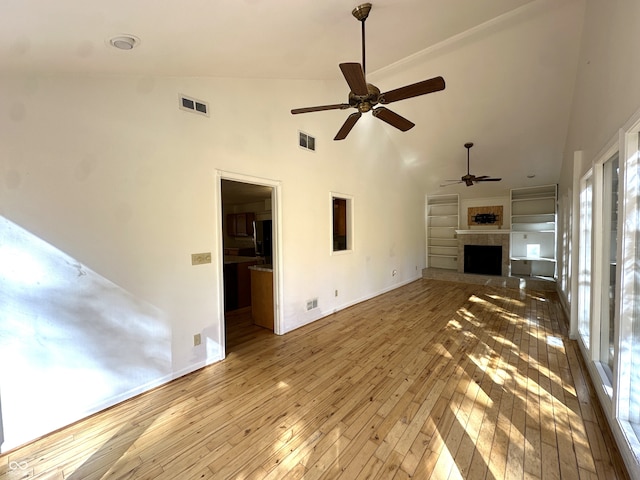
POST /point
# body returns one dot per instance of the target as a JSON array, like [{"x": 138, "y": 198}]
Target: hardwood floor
[{"x": 433, "y": 380}]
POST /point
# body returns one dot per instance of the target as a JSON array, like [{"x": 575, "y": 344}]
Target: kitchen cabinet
[
  {"x": 237, "y": 284},
  {"x": 240, "y": 224},
  {"x": 262, "y": 296}
]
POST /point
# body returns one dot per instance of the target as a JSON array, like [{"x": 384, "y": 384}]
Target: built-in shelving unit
[
  {"x": 533, "y": 231},
  {"x": 443, "y": 220}
]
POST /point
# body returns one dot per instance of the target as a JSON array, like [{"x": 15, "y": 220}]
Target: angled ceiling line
[{"x": 524, "y": 11}]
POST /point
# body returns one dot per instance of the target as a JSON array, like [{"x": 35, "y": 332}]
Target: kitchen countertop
[
  {"x": 239, "y": 259},
  {"x": 262, "y": 268}
]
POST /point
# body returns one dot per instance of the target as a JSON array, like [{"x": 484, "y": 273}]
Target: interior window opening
[{"x": 341, "y": 223}]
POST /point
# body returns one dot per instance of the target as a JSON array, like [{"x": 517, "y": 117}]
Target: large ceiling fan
[
  {"x": 469, "y": 179},
  {"x": 364, "y": 96}
]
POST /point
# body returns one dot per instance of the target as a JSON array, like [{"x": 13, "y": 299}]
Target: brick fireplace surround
[{"x": 484, "y": 237}]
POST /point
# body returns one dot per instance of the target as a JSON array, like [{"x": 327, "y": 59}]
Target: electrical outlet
[
  {"x": 200, "y": 258},
  {"x": 394, "y": 273},
  {"x": 197, "y": 340},
  {"x": 336, "y": 293}
]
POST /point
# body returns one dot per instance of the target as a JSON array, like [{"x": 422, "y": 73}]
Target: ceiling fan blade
[
  {"x": 478, "y": 179},
  {"x": 453, "y": 182},
  {"x": 337, "y": 106},
  {"x": 354, "y": 75},
  {"x": 347, "y": 126},
  {"x": 421, "y": 88},
  {"x": 393, "y": 118}
]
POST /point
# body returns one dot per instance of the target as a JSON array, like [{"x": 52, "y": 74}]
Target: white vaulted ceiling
[{"x": 509, "y": 65}]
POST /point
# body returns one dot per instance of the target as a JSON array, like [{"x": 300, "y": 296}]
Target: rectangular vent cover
[
  {"x": 307, "y": 142},
  {"x": 192, "y": 105}
]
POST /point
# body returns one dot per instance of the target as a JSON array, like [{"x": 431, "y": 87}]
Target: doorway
[{"x": 248, "y": 239}]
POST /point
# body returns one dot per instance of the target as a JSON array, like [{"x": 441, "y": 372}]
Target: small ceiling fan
[
  {"x": 469, "y": 179},
  {"x": 364, "y": 96}
]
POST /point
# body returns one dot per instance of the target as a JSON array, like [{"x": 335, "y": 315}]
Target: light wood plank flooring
[{"x": 433, "y": 380}]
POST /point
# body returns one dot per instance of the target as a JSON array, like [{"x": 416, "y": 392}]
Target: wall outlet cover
[{"x": 200, "y": 258}]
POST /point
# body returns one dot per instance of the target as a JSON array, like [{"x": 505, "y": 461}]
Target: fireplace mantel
[{"x": 483, "y": 232}]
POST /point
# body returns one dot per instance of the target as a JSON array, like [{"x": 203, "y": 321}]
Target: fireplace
[
  {"x": 485, "y": 238},
  {"x": 484, "y": 259}
]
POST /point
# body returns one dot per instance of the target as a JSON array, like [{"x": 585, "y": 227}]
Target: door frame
[{"x": 276, "y": 215}]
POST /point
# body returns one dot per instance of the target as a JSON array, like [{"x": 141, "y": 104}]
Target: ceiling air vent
[
  {"x": 307, "y": 142},
  {"x": 192, "y": 105}
]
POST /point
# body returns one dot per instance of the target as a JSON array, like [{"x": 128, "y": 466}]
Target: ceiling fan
[
  {"x": 469, "y": 179},
  {"x": 364, "y": 96}
]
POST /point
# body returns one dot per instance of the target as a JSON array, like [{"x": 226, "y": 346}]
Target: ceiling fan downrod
[
  {"x": 468, "y": 147},
  {"x": 361, "y": 12}
]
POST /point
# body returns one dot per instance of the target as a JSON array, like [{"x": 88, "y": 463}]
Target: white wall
[
  {"x": 606, "y": 93},
  {"x": 606, "y": 96},
  {"x": 107, "y": 176}
]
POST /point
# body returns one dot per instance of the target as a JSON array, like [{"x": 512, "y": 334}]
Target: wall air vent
[
  {"x": 192, "y": 105},
  {"x": 311, "y": 304},
  {"x": 307, "y": 142}
]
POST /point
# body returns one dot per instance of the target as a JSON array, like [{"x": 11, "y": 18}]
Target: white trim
[{"x": 493, "y": 231}]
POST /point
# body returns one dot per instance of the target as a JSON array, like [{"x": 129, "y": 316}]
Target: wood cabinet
[
  {"x": 533, "y": 231},
  {"x": 240, "y": 224},
  {"x": 262, "y": 297},
  {"x": 442, "y": 223},
  {"x": 237, "y": 285}
]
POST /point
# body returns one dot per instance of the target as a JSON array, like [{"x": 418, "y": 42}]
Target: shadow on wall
[{"x": 71, "y": 341}]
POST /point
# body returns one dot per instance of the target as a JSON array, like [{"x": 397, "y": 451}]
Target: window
[
  {"x": 584, "y": 273},
  {"x": 634, "y": 318},
  {"x": 629, "y": 346},
  {"x": 342, "y": 231},
  {"x": 567, "y": 226},
  {"x": 609, "y": 251}
]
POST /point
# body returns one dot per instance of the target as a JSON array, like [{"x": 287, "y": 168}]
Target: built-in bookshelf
[
  {"x": 443, "y": 219},
  {"x": 533, "y": 231}
]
